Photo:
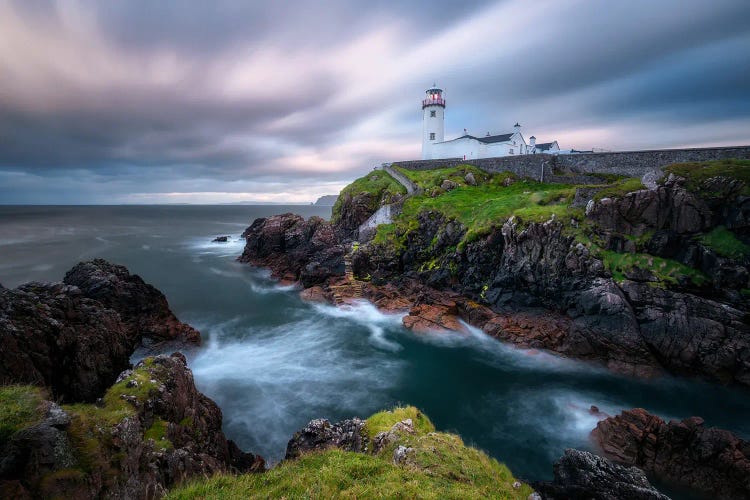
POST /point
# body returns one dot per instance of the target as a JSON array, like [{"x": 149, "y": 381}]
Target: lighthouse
[{"x": 433, "y": 120}]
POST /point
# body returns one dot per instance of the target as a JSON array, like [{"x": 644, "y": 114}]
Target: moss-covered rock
[
  {"x": 360, "y": 199},
  {"x": 151, "y": 430}
]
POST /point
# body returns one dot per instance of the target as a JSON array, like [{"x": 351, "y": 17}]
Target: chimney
[{"x": 517, "y": 128}]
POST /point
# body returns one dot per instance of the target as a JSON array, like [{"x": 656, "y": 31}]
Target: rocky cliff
[
  {"x": 644, "y": 281},
  {"x": 77, "y": 336},
  {"x": 710, "y": 460},
  {"x": 121, "y": 432}
]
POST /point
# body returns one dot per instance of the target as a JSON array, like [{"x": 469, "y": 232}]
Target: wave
[
  {"x": 275, "y": 380},
  {"x": 368, "y": 315}
]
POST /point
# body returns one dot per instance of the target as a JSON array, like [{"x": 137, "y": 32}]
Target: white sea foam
[
  {"x": 501, "y": 353},
  {"x": 205, "y": 246},
  {"x": 366, "y": 314},
  {"x": 256, "y": 280},
  {"x": 277, "y": 379}
]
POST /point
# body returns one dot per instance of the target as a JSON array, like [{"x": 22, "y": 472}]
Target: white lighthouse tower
[{"x": 433, "y": 120}]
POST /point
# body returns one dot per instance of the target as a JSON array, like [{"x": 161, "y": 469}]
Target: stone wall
[{"x": 644, "y": 164}]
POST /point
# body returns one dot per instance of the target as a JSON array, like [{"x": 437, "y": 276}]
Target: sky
[{"x": 187, "y": 101}]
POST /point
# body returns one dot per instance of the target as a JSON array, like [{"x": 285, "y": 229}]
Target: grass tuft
[
  {"x": 725, "y": 243},
  {"x": 20, "y": 407},
  {"x": 384, "y": 420},
  {"x": 666, "y": 271},
  {"x": 620, "y": 188}
]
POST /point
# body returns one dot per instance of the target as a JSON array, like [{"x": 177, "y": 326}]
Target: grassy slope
[
  {"x": 441, "y": 467},
  {"x": 697, "y": 173},
  {"x": 377, "y": 183},
  {"x": 430, "y": 179},
  {"x": 480, "y": 207},
  {"x": 491, "y": 203}
]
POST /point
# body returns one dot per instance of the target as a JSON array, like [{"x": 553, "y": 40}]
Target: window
[
  {"x": 432, "y": 136},
  {"x": 511, "y": 151},
  {"x": 433, "y": 113}
]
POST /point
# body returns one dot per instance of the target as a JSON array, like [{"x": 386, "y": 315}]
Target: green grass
[
  {"x": 429, "y": 179},
  {"x": 384, "y": 420},
  {"x": 20, "y": 407},
  {"x": 341, "y": 474},
  {"x": 725, "y": 243},
  {"x": 698, "y": 172},
  {"x": 90, "y": 428},
  {"x": 667, "y": 271},
  {"x": 479, "y": 208},
  {"x": 158, "y": 433},
  {"x": 379, "y": 184},
  {"x": 620, "y": 188},
  {"x": 441, "y": 466}
]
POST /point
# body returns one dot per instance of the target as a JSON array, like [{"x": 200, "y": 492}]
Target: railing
[{"x": 438, "y": 101}]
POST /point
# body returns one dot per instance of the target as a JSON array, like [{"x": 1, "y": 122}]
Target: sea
[{"x": 274, "y": 362}]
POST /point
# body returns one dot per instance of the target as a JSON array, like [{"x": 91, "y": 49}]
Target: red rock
[
  {"x": 314, "y": 294},
  {"x": 710, "y": 460},
  {"x": 433, "y": 318}
]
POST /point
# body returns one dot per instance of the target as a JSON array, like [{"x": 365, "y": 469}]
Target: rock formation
[
  {"x": 142, "y": 308},
  {"x": 77, "y": 336},
  {"x": 295, "y": 249},
  {"x": 580, "y": 475},
  {"x": 152, "y": 430},
  {"x": 320, "y": 434},
  {"x": 550, "y": 284},
  {"x": 684, "y": 453},
  {"x": 149, "y": 428}
]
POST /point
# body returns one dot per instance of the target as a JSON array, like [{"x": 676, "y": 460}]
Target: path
[
  {"x": 354, "y": 287},
  {"x": 411, "y": 188}
]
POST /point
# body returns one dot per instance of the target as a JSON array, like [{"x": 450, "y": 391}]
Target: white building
[{"x": 434, "y": 145}]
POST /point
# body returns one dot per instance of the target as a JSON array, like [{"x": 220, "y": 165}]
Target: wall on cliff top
[{"x": 628, "y": 163}]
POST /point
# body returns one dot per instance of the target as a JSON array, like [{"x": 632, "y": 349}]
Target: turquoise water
[{"x": 273, "y": 362}]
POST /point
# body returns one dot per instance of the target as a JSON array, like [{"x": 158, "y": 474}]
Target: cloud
[{"x": 143, "y": 101}]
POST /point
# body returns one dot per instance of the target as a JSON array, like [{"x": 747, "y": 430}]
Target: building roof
[
  {"x": 545, "y": 145},
  {"x": 495, "y": 138},
  {"x": 487, "y": 140}
]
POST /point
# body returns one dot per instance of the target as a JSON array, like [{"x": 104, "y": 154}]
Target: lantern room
[{"x": 434, "y": 97}]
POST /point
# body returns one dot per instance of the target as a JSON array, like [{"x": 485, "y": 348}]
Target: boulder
[
  {"x": 448, "y": 184},
  {"x": 220, "y": 239},
  {"x": 580, "y": 475},
  {"x": 470, "y": 179},
  {"x": 711, "y": 460},
  {"x": 142, "y": 307},
  {"x": 320, "y": 434}
]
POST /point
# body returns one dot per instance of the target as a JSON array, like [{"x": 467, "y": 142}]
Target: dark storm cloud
[{"x": 148, "y": 101}]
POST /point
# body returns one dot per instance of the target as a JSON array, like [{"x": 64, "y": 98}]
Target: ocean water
[{"x": 273, "y": 362}]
